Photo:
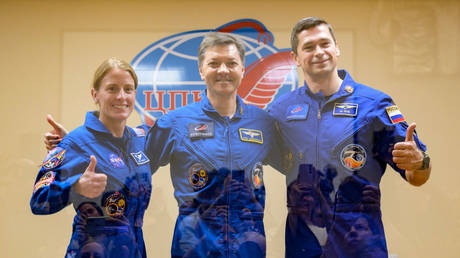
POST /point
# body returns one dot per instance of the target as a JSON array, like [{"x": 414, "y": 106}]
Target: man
[
  {"x": 339, "y": 137},
  {"x": 216, "y": 148}
]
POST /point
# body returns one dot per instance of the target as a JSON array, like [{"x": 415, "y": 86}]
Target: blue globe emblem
[{"x": 169, "y": 77}]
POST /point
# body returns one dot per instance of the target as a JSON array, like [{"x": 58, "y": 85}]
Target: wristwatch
[{"x": 425, "y": 162}]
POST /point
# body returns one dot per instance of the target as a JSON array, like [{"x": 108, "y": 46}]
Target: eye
[
  {"x": 232, "y": 64},
  {"x": 213, "y": 64},
  {"x": 130, "y": 89},
  {"x": 307, "y": 48}
]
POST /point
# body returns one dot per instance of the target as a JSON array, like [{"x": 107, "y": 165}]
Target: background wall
[{"x": 49, "y": 50}]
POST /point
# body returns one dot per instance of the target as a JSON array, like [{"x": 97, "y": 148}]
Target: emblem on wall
[{"x": 169, "y": 77}]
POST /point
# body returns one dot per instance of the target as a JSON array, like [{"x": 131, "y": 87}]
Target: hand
[
  {"x": 54, "y": 137},
  {"x": 91, "y": 184},
  {"x": 406, "y": 155}
]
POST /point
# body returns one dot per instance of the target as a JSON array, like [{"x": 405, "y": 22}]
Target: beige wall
[{"x": 410, "y": 51}]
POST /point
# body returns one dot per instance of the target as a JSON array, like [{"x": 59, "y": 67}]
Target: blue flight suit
[
  {"x": 216, "y": 170},
  {"x": 111, "y": 224},
  {"x": 337, "y": 150}
]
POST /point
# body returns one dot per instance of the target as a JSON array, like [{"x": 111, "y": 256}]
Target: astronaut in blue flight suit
[
  {"x": 339, "y": 136},
  {"x": 102, "y": 170},
  {"x": 216, "y": 148}
]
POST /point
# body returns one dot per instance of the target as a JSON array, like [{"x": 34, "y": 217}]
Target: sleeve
[
  {"x": 61, "y": 168},
  {"x": 277, "y": 151},
  {"x": 160, "y": 143},
  {"x": 390, "y": 128}
]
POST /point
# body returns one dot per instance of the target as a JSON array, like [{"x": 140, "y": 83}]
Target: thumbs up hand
[
  {"x": 406, "y": 155},
  {"x": 54, "y": 137},
  {"x": 91, "y": 184}
]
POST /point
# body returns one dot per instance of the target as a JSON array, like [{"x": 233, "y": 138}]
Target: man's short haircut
[
  {"x": 305, "y": 24},
  {"x": 213, "y": 39}
]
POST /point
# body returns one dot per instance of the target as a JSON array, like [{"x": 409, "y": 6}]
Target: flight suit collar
[
  {"x": 346, "y": 88},
  {"x": 207, "y": 107},
  {"x": 92, "y": 122}
]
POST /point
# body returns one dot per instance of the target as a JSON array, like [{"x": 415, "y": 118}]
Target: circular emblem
[
  {"x": 353, "y": 157},
  {"x": 116, "y": 161},
  {"x": 115, "y": 204},
  {"x": 45, "y": 180},
  {"x": 198, "y": 177},
  {"x": 54, "y": 158},
  {"x": 257, "y": 175}
]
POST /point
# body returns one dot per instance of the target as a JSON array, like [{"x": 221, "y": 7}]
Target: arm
[
  {"x": 54, "y": 137},
  {"x": 407, "y": 156},
  {"x": 159, "y": 143}
]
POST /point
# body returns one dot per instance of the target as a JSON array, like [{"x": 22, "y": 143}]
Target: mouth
[
  {"x": 120, "y": 106},
  {"x": 321, "y": 61}
]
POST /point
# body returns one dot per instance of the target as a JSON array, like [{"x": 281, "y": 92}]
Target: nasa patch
[
  {"x": 116, "y": 161},
  {"x": 54, "y": 158},
  {"x": 251, "y": 135},
  {"x": 45, "y": 180},
  {"x": 115, "y": 204},
  {"x": 297, "y": 112},
  {"x": 198, "y": 177},
  {"x": 201, "y": 130},
  {"x": 257, "y": 175},
  {"x": 353, "y": 157}
]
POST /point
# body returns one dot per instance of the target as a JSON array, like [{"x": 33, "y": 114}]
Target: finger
[
  {"x": 410, "y": 132},
  {"x": 92, "y": 164},
  {"x": 58, "y": 127},
  {"x": 399, "y": 153}
]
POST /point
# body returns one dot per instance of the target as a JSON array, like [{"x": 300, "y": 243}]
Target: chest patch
[
  {"x": 297, "y": 112},
  {"x": 116, "y": 161},
  {"x": 198, "y": 177},
  {"x": 353, "y": 157},
  {"x": 345, "y": 109},
  {"x": 139, "y": 157},
  {"x": 115, "y": 204},
  {"x": 395, "y": 115},
  {"x": 201, "y": 130},
  {"x": 251, "y": 135},
  {"x": 257, "y": 175}
]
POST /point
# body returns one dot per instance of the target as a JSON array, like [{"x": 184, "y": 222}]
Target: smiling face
[
  {"x": 222, "y": 69},
  {"x": 115, "y": 96},
  {"x": 317, "y": 52}
]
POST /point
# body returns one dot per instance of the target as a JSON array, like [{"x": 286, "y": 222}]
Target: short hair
[
  {"x": 212, "y": 39},
  {"x": 305, "y": 24},
  {"x": 110, "y": 64}
]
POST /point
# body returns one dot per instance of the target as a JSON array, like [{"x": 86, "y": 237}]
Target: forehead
[
  {"x": 117, "y": 74},
  {"x": 320, "y": 32},
  {"x": 227, "y": 51}
]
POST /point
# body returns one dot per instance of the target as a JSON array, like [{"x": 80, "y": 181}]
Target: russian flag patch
[{"x": 394, "y": 114}]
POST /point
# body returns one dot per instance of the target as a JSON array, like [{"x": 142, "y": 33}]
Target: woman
[{"x": 101, "y": 169}]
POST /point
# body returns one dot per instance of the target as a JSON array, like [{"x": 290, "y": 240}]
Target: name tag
[
  {"x": 345, "y": 109},
  {"x": 201, "y": 130}
]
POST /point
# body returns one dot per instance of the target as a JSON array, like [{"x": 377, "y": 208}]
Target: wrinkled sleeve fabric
[
  {"x": 61, "y": 168},
  {"x": 160, "y": 142}
]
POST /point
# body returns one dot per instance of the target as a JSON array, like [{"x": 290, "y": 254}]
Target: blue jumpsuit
[
  {"x": 337, "y": 150},
  {"x": 216, "y": 170},
  {"x": 111, "y": 224}
]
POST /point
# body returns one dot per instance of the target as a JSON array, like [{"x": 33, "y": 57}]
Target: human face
[
  {"x": 222, "y": 70},
  {"x": 115, "y": 97},
  {"x": 359, "y": 231},
  {"x": 317, "y": 52}
]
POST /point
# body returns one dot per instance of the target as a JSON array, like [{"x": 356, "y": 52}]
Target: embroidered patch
[
  {"x": 257, "y": 175},
  {"x": 353, "y": 157},
  {"x": 139, "y": 132},
  {"x": 198, "y": 177},
  {"x": 54, "y": 158},
  {"x": 45, "y": 180},
  {"x": 345, "y": 109},
  {"x": 201, "y": 130},
  {"x": 115, "y": 204},
  {"x": 251, "y": 135},
  {"x": 140, "y": 158},
  {"x": 116, "y": 161},
  {"x": 297, "y": 112},
  {"x": 394, "y": 114}
]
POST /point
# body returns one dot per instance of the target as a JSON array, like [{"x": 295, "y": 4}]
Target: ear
[
  {"x": 94, "y": 96},
  {"x": 200, "y": 68},
  {"x": 294, "y": 57},
  {"x": 337, "y": 49}
]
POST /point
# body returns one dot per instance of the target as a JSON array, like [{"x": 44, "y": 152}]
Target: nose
[
  {"x": 319, "y": 50},
  {"x": 121, "y": 94},
  {"x": 222, "y": 69}
]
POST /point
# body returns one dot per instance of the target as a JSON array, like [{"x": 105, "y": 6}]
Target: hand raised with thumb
[
  {"x": 91, "y": 184},
  {"x": 406, "y": 154},
  {"x": 53, "y": 137}
]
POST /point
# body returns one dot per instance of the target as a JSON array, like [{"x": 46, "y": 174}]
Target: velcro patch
[
  {"x": 54, "y": 158},
  {"x": 297, "y": 112},
  {"x": 45, "y": 180},
  {"x": 345, "y": 109},
  {"x": 201, "y": 130},
  {"x": 394, "y": 114},
  {"x": 251, "y": 135},
  {"x": 139, "y": 157}
]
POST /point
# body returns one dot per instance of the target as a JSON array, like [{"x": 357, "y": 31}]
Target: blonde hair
[{"x": 108, "y": 65}]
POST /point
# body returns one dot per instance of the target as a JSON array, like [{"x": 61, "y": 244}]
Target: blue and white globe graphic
[{"x": 168, "y": 69}]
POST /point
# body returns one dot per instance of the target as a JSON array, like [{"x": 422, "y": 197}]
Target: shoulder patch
[
  {"x": 45, "y": 180},
  {"x": 54, "y": 158},
  {"x": 251, "y": 135},
  {"x": 394, "y": 114}
]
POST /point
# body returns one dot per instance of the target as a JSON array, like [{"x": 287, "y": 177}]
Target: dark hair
[
  {"x": 212, "y": 39},
  {"x": 305, "y": 24}
]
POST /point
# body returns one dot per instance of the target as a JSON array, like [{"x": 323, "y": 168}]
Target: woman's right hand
[{"x": 91, "y": 184}]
